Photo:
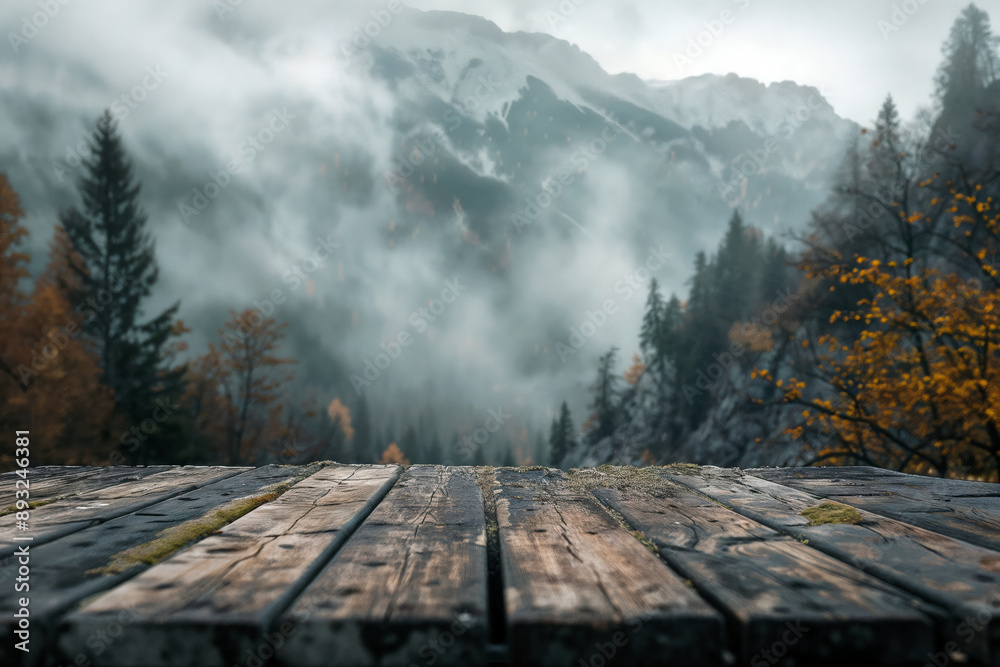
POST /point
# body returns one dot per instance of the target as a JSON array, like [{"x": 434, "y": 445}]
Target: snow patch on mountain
[
  {"x": 469, "y": 60},
  {"x": 459, "y": 57},
  {"x": 711, "y": 101}
]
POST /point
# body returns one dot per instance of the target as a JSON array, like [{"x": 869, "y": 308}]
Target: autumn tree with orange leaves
[
  {"x": 918, "y": 389},
  {"x": 13, "y": 300},
  {"x": 253, "y": 377},
  {"x": 49, "y": 378},
  {"x": 394, "y": 455},
  {"x": 899, "y": 364}
]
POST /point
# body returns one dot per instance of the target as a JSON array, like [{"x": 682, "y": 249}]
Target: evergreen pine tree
[
  {"x": 887, "y": 154},
  {"x": 654, "y": 334},
  {"x": 410, "y": 444},
  {"x": 673, "y": 317},
  {"x": 556, "y": 447},
  {"x": 562, "y": 436},
  {"x": 604, "y": 400},
  {"x": 963, "y": 83},
  {"x": 508, "y": 455},
  {"x": 774, "y": 279},
  {"x": 435, "y": 453},
  {"x": 887, "y": 124},
  {"x": 734, "y": 276},
  {"x": 458, "y": 453},
  {"x": 113, "y": 260},
  {"x": 971, "y": 62},
  {"x": 363, "y": 443},
  {"x": 699, "y": 294},
  {"x": 479, "y": 455}
]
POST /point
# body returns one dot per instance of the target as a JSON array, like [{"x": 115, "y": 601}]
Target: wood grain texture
[
  {"x": 409, "y": 586},
  {"x": 774, "y": 589},
  {"x": 63, "y": 572},
  {"x": 968, "y": 511},
  {"x": 215, "y": 602},
  {"x": 578, "y": 586},
  {"x": 58, "y": 481},
  {"x": 338, "y": 572},
  {"x": 962, "y": 578},
  {"x": 67, "y": 516}
]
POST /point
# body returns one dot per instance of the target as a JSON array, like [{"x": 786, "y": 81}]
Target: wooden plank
[
  {"x": 64, "y": 517},
  {"x": 211, "y": 603},
  {"x": 66, "y": 571},
  {"x": 61, "y": 482},
  {"x": 578, "y": 586},
  {"x": 962, "y": 578},
  {"x": 781, "y": 597},
  {"x": 950, "y": 488},
  {"x": 410, "y": 585},
  {"x": 968, "y": 511},
  {"x": 49, "y": 472}
]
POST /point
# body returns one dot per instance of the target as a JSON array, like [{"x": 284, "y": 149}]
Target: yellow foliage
[
  {"x": 393, "y": 454},
  {"x": 337, "y": 410},
  {"x": 918, "y": 389},
  {"x": 50, "y": 378},
  {"x": 635, "y": 371},
  {"x": 751, "y": 337}
]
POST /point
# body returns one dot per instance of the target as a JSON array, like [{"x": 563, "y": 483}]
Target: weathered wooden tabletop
[{"x": 376, "y": 565}]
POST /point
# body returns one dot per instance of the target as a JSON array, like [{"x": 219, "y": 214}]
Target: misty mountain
[{"x": 446, "y": 214}]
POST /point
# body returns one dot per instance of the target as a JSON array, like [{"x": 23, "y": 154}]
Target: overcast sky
[{"x": 838, "y": 47}]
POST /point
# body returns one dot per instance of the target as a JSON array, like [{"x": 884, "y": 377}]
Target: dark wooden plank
[
  {"x": 414, "y": 572},
  {"x": 211, "y": 603},
  {"x": 66, "y": 571},
  {"x": 770, "y": 586},
  {"x": 967, "y": 511},
  {"x": 48, "y": 472},
  {"x": 962, "y": 578},
  {"x": 948, "y": 488},
  {"x": 67, "y": 516},
  {"x": 62, "y": 482},
  {"x": 577, "y": 584}
]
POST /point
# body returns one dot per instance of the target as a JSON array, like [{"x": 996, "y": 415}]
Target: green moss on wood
[
  {"x": 831, "y": 513},
  {"x": 645, "y": 541},
  {"x": 625, "y": 479},
  {"x": 175, "y": 538},
  {"x": 32, "y": 505},
  {"x": 682, "y": 469}
]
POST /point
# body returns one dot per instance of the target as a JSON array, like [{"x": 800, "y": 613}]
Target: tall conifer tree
[{"x": 115, "y": 268}]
